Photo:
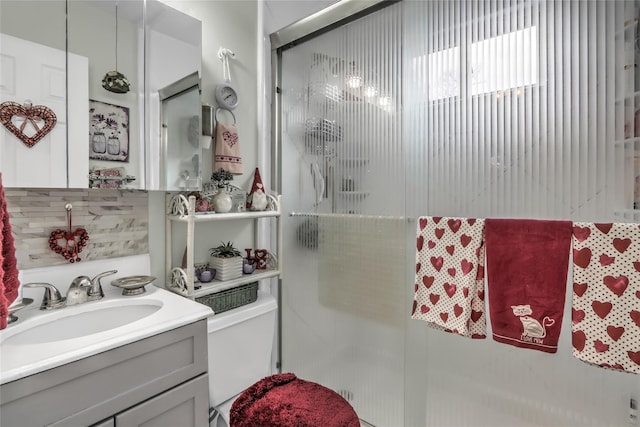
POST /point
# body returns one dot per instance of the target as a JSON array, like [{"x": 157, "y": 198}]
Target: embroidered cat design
[{"x": 531, "y": 327}]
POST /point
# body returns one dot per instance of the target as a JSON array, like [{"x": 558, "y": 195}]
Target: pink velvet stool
[{"x": 284, "y": 400}]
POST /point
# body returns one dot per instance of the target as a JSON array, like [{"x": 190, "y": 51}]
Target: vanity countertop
[{"x": 34, "y": 343}]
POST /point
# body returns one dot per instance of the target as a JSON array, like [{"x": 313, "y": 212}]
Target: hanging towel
[
  {"x": 9, "y": 282},
  {"x": 527, "y": 263},
  {"x": 227, "y": 153},
  {"x": 449, "y": 292},
  {"x": 606, "y": 295}
]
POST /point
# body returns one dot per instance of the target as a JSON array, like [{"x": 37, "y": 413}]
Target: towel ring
[{"x": 229, "y": 111}]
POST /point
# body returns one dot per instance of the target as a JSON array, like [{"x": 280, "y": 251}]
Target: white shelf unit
[{"x": 182, "y": 209}]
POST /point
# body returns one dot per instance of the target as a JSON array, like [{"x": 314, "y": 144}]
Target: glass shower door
[{"x": 344, "y": 283}]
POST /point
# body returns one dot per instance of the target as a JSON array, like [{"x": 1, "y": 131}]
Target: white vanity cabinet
[
  {"x": 181, "y": 209},
  {"x": 157, "y": 381}
]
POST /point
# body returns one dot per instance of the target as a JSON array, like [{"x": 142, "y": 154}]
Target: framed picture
[{"x": 108, "y": 132}]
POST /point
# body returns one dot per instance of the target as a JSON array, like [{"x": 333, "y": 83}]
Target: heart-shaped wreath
[
  {"x": 74, "y": 243},
  {"x": 36, "y": 115}
]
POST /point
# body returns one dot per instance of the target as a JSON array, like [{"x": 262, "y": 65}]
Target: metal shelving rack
[{"x": 182, "y": 209}]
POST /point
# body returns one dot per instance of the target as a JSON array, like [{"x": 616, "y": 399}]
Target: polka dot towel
[
  {"x": 449, "y": 289},
  {"x": 606, "y": 295}
]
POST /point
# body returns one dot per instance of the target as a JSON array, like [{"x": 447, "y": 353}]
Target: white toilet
[{"x": 240, "y": 343}]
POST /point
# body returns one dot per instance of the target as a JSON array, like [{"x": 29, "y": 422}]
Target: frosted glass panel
[
  {"x": 520, "y": 109},
  {"x": 344, "y": 279}
]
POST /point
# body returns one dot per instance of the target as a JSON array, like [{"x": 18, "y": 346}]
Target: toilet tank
[{"x": 240, "y": 343}]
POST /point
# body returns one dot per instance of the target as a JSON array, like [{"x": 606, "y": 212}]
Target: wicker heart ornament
[{"x": 40, "y": 118}]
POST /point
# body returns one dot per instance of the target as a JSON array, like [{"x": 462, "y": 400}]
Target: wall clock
[{"x": 226, "y": 96}]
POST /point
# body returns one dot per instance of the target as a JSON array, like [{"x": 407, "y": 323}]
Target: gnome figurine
[{"x": 257, "y": 198}]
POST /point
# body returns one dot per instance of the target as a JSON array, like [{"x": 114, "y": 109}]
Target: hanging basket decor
[
  {"x": 40, "y": 118},
  {"x": 115, "y": 81}
]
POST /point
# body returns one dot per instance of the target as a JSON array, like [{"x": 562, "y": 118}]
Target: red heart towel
[
  {"x": 527, "y": 263},
  {"x": 9, "y": 282},
  {"x": 449, "y": 290},
  {"x": 605, "y": 309},
  {"x": 227, "y": 153}
]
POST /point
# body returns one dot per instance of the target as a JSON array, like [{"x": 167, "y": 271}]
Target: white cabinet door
[{"x": 31, "y": 71}]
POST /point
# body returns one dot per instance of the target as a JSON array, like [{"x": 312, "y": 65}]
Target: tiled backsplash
[{"x": 117, "y": 222}]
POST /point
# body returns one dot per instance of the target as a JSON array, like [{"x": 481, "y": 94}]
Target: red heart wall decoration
[
  {"x": 34, "y": 116},
  {"x": 74, "y": 243}
]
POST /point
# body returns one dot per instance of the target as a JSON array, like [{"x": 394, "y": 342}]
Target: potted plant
[
  {"x": 222, "y": 201},
  {"x": 226, "y": 260}
]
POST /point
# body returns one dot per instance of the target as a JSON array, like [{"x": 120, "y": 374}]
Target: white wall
[{"x": 233, "y": 25}]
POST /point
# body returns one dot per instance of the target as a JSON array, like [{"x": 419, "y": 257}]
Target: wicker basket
[{"x": 230, "y": 298}]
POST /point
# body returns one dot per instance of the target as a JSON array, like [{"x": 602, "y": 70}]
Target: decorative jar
[{"x": 222, "y": 201}]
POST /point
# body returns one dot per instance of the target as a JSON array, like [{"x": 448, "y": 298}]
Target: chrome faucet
[
  {"x": 78, "y": 290},
  {"x": 95, "y": 291},
  {"x": 81, "y": 290},
  {"x": 51, "y": 299}
]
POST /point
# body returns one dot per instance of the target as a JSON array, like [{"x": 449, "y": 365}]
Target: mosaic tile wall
[{"x": 117, "y": 222}]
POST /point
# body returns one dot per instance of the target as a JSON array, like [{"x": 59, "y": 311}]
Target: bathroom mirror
[
  {"x": 173, "y": 58},
  {"x": 96, "y": 130},
  {"x": 110, "y": 34},
  {"x": 33, "y": 70},
  {"x": 180, "y": 151}
]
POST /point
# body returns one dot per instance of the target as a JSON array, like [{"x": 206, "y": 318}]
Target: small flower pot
[
  {"x": 226, "y": 268},
  {"x": 206, "y": 275}
]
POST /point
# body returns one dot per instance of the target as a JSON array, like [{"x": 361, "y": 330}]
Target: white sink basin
[
  {"x": 76, "y": 324},
  {"x": 42, "y": 340}
]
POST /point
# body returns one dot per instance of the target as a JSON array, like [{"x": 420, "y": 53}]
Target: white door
[{"x": 31, "y": 71}]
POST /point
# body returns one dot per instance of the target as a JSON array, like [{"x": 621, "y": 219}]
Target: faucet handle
[
  {"x": 95, "y": 291},
  {"x": 51, "y": 299}
]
